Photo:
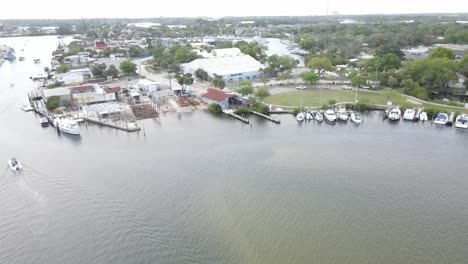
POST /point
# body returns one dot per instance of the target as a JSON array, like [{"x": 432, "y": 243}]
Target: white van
[{"x": 112, "y": 57}]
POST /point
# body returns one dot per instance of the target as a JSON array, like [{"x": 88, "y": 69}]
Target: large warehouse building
[{"x": 232, "y": 66}]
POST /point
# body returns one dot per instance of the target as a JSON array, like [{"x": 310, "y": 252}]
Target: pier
[
  {"x": 238, "y": 117},
  {"x": 127, "y": 128},
  {"x": 267, "y": 117}
]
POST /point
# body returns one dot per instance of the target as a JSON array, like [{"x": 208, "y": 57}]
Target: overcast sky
[{"x": 218, "y": 8}]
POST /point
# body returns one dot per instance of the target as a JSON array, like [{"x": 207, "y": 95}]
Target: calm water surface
[{"x": 205, "y": 189}]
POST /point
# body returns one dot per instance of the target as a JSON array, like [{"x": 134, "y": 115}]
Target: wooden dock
[
  {"x": 238, "y": 117},
  {"x": 124, "y": 128},
  {"x": 267, "y": 117}
]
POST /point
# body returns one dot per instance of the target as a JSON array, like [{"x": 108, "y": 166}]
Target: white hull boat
[
  {"x": 342, "y": 115},
  {"x": 394, "y": 114},
  {"x": 441, "y": 119},
  {"x": 356, "y": 117},
  {"x": 27, "y": 108},
  {"x": 319, "y": 117},
  {"x": 67, "y": 125},
  {"x": 309, "y": 116},
  {"x": 300, "y": 117},
  {"x": 330, "y": 115},
  {"x": 462, "y": 121},
  {"x": 44, "y": 122},
  {"x": 14, "y": 164},
  {"x": 409, "y": 114},
  {"x": 423, "y": 116}
]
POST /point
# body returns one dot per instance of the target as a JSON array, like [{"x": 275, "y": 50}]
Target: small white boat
[
  {"x": 67, "y": 125},
  {"x": 300, "y": 117},
  {"x": 462, "y": 121},
  {"x": 318, "y": 116},
  {"x": 14, "y": 164},
  {"x": 441, "y": 119},
  {"x": 330, "y": 115},
  {"x": 43, "y": 121},
  {"x": 342, "y": 114},
  {"x": 309, "y": 116},
  {"x": 409, "y": 114},
  {"x": 37, "y": 60},
  {"x": 356, "y": 117},
  {"x": 27, "y": 108},
  {"x": 394, "y": 114},
  {"x": 423, "y": 116}
]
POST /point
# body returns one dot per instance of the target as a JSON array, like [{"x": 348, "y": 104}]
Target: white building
[
  {"x": 148, "y": 86},
  {"x": 69, "y": 78},
  {"x": 235, "y": 68}
]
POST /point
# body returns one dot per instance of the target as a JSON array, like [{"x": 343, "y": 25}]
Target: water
[{"x": 205, "y": 189}]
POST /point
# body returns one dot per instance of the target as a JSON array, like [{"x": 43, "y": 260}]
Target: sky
[{"x": 60, "y": 9}]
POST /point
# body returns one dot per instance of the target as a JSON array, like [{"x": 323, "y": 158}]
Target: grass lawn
[{"x": 311, "y": 98}]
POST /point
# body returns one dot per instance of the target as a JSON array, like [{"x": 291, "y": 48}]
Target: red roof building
[{"x": 217, "y": 96}]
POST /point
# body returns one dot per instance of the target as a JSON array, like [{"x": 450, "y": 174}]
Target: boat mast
[{"x": 355, "y": 98}]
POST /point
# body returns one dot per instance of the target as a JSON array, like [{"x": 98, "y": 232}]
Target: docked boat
[
  {"x": 14, "y": 164},
  {"x": 462, "y": 121},
  {"x": 21, "y": 58},
  {"x": 44, "y": 122},
  {"x": 37, "y": 61},
  {"x": 309, "y": 116},
  {"x": 27, "y": 108},
  {"x": 410, "y": 114},
  {"x": 330, "y": 115},
  {"x": 342, "y": 114},
  {"x": 319, "y": 116},
  {"x": 394, "y": 114},
  {"x": 441, "y": 119},
  {"x": 423, "y": 116},
  {"x": 356, "y": 117},
  {"x": 67, "y": 125},
  {"x": 300, "y": 117}
]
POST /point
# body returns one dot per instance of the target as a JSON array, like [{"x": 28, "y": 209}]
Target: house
[
  {"x": 216, "y": 96},
  {"x": 100, "y": 44},
  {"x": 148, "y": 86},
  {"x": 231, "y": 68}
]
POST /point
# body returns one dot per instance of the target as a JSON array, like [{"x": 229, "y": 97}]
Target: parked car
[
  {"x": 326, "y": 87},
  {"x": 365, "y": 87},
  {"x": 300, "y": 87},
  {"x": 347, "y": 87}
]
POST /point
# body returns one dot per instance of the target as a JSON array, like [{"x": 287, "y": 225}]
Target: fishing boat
[
  {"x": 330, "y": 115},
  {"x": 300, "y": 117},
  {"x": 356, "y": 117},
  {"x": 423, "y": 116},
  {"x": 309, "y": 116},
  {"x": 441, "y": 119},
  {"x": 409, "y": 114},
  {"x": 27, "y": 108},
  {"x": 14, "y": 164},
  {"x": 67, "y": 125},
  {"x": 43, "y": 121},
  {"x": 21, "y": 58},
  {"x": 462, "y": 121},
  {"x": 342, "y": 114},
  {"x": 319, "y": 116},
  {"x": 394, "y": 114}
]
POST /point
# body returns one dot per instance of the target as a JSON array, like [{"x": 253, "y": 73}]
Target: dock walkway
[
  {"x": 267, "y": 117},
  {"x": 238, "y": 117}
]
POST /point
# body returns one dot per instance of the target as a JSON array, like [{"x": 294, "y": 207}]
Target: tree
[
  {"x": 320, "y": 65},
  {"x": 245, "y": 88},
  {"x": 64, "y": 29},
  {"x": 279, "y": 64},
  {"x": 218, "y": 82},
  {"x": 215, "y": 108},
  {"x": 310, "y": 78},
  {"x": 390, "y": 49},
  {"x": 106, "y": 52},
  {"x": 392, "y": 81},
  {"x": 99, "y": 69},
  {"x": 358, "y": 81},
  {"x": 201, "y": 74},
  {"x": 442, "y": 53},
  {"x": 135, "y": 51},
  {"x": 52, "y": 103},
  {"x": 112, "y": 71},
  {"x": 128, "y": 67},
  {"x": 184, "y": 79},
  {"x": 63, "y": 68},
  {"x": 262, "y": 92}
]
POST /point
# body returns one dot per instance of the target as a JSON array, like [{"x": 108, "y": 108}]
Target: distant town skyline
[{"x": 55, "y": 9}]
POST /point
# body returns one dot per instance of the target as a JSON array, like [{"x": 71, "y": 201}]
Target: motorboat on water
[
  {"x": 22, "y": 58},
  {"x": 342, "y": 114},
  {"x": 394, "y": 114},
  {"x": 319, "y": 116},
  {"x": 44, "y": 122},
  {"x": 461, "y": 121},
  {"x": 14, "y": 164},
  {"x": 441, "y": 119},
  {"x": 356, "y": 117},
  {"x": 37, "y": 61},
  {"x": 409, "y": 114},
  {"x": 330, "y": 115},
  {"x": 309, "y": 116},
  {"x": 300, "y": 117},
  {"x": 67, "y": 125},
  {"x": 27, "y": 108},
  {"x": 423, "y": 116}
]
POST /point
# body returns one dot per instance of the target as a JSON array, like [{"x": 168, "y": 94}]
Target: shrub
[
  {"x": 261, "y": 108},
  {"x": 215, "y": 108},
  {"x": 53, "y": 85},
  {"x": 363, "y": 107},
  {"x": 242, "y": 110},
  {"x": 53, "y": 103},
  {"x": 296, "y": 111},
  {"x": 331, "y": 102},
  {"x": 432, "y": 112},
  {"x": 455, "y": 103}
]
